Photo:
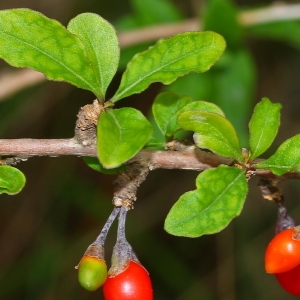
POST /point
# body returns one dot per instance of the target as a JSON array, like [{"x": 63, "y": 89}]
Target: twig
[
  {"x": 15, "y": 81},
  {"x": 195, "y": 159}
]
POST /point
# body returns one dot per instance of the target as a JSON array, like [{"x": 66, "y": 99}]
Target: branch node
[{"x": 86, "y": 124}]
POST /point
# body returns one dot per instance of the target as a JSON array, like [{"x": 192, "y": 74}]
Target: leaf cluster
[{"x": 86, "y": 54}]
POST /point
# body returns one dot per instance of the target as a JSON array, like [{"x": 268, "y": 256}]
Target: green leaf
[
  {"x": 170, "y": 59},
  {"x": 212, "y": 132},
  {"x": 263, "y": 126},
  {"x": 203, "y": 106},
  {"x": 285, "y": 159},
  {"x": 29, "y": 39},
  {"x": 221, "y": 16},
  {"x": 219, "y": 198},
  {"x": 121, "y": 134},
  {"x": 168, "y": 106},
  {"x": 94, "y": 164},
  {"x": 165, "y": 108},
  {"x": 102, "y": 46},
  {"x": 12, "y": 180}
]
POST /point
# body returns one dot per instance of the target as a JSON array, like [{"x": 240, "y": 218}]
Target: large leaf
[
  {"x": 219, "y": 197},
  {"x": 12, "y": 180},
  {"x": 213, "y": 132},
  {"x": 263, "y": 126},
  {"x": 101, "y": 42},
  {"x": 285, "y": 159},
  {"x": 170, "y": 59},
  {"x": 29, "y": 39},
  {"x": 121, "y": 133}
]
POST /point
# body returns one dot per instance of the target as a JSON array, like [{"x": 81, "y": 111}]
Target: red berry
[
  {"x": 283, "y": 252},
  {"x": 133, "y": 283},
  {"x": 290, "y": 280}
]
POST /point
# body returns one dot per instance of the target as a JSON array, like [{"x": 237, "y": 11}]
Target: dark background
[{"x": 46, "y": 228}]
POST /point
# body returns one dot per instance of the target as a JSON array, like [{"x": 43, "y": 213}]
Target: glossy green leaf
[
  {"x": 263, "y": 126},
  {"x": 12, "y": 180},
  {"x": 29, "y": 39},
  {"x": 212, "y": 132},
  {"x": 168, "y": 106},
  {"x": 165, "y": 108},
  {"x": 221, "y": 16},
  {"x": 94, "y": 164},
  {"x": 219, "y": 198},
  {"x": 121, "y": 134},
  {"x": 170, "y": 59},
  {"x": 203, "y": 106},
  {"x": 285, "y": 159},
  {"x": 102, "y": 46}
]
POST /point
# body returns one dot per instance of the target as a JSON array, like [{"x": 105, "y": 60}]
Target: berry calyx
[
  {"x": 133, "y": 283},
  {"x": 283, "y": 252}
]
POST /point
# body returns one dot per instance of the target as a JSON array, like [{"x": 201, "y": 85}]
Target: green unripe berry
[{"x": 92, "y": 272}]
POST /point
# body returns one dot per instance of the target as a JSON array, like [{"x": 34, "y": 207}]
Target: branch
[
  {"x": 195, "y": 159},
  {"x": 192, "y": 160},
  {"x": 15, "y": 81}
]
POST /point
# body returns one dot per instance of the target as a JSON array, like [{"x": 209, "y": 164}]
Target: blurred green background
[{"x": 46, "y": 228}]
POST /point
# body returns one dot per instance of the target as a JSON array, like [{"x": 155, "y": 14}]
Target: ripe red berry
[
  {"x": 283, "y": 252},
  {"x": 290, "y": 280},
  {"x": 133, "y": 283}
]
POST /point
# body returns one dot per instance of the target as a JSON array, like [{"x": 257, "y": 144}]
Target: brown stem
[
  {"x": 128, "y": 182},
  {"x": 191, "y": 159}
]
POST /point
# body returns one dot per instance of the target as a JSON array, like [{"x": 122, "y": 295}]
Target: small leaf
[
  {"x": 29, "y": 39},
  {"x": 121, "y": 134},
  {"x": 165, "y": 108},
  {"x": 263, "y": 126},
  {"x": 101, "y": 42},
  {"x": 212, "y": 132},
  {"x": 218, "y": 199},
  {"x": 170, "y": 59},
  {"x": 12, "y": 180},
  {"x": 168, "y": 106},
  {"x": 285, "y": 159},
  {"x": 94, "y": 164}
]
